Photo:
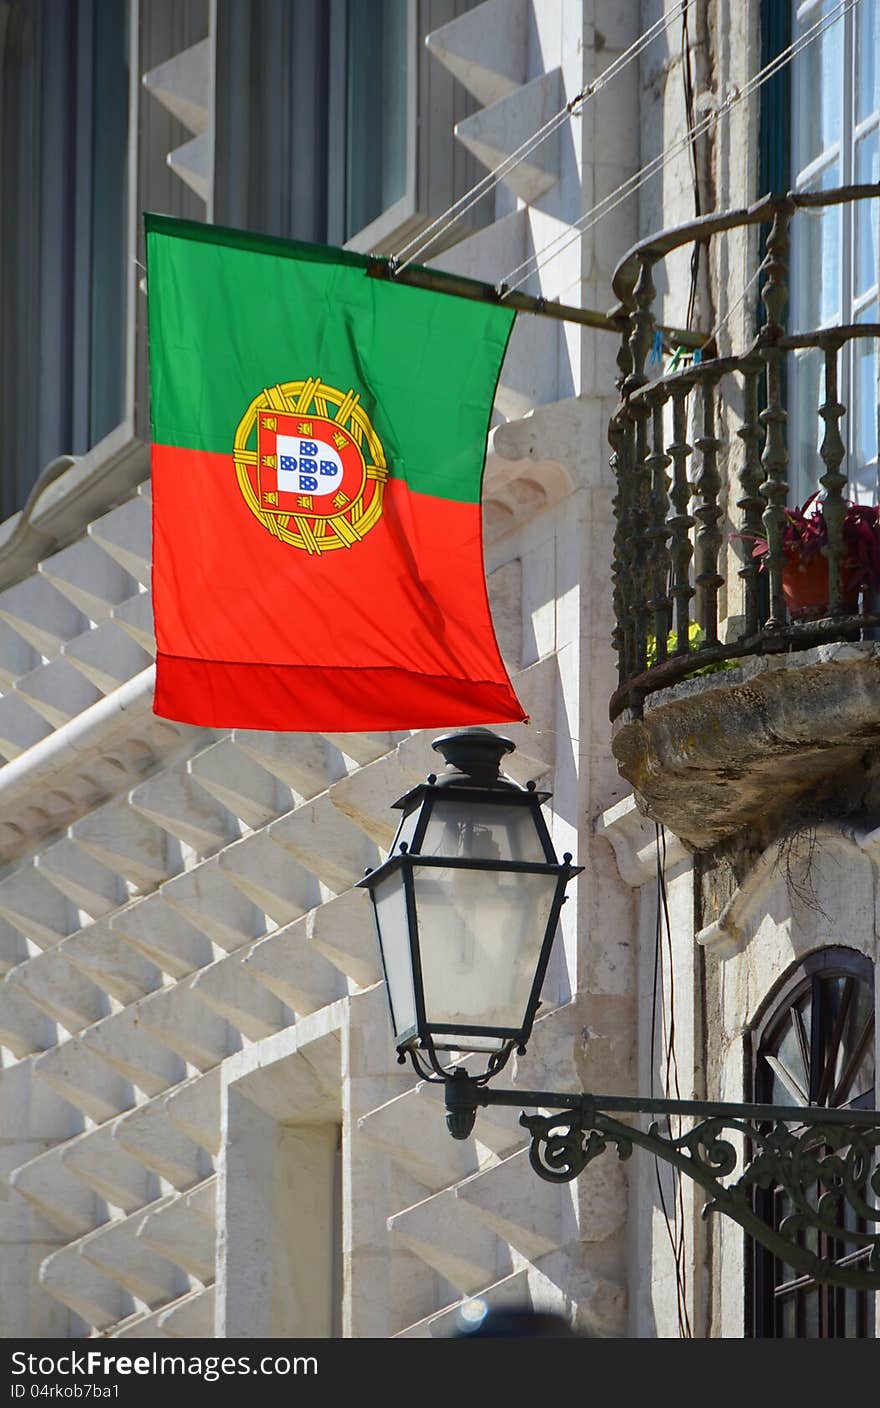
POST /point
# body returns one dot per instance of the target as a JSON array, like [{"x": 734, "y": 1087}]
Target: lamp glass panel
[
  {"x": 389, "y": 898},
  {"x": 482, "y": 831},
  {"x": 406, "y": 829},
  {"x": 464, "y": 1041},
  {"x": 480, "y": 939}
]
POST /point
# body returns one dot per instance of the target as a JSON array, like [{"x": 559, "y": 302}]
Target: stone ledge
[
  {"x": 68, "y": 494},
  {"x": 723, "y": 752}
]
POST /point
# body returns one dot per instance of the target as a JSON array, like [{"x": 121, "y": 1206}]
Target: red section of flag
[
  {"x": 392, "y": 633},
  {"x": 303, "y": 697}
]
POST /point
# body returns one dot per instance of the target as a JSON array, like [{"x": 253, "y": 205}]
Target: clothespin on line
[{"x": 682, "y": 358}]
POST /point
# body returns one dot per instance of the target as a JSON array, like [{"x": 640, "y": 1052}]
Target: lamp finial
[{"x": 473, "y": 756}]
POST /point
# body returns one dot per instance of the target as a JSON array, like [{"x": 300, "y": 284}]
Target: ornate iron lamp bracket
[{"x": 823, "y": 1160}]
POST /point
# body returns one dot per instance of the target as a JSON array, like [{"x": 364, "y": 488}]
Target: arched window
[{"x": 813, "y": 1044}]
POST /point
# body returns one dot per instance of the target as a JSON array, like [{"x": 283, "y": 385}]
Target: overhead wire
[
  {"x": 677, "y": 1231},
  {"x": 633, "y": 183},
  {"x": 690, "y": 115},
  {"x": 424, "y": 239},
  {"x": 657, "y": 980},
  {"x": 726, "y": 317},
  {"x": 675, "y": 1223},
  {"x": 671, "y": 1079}
]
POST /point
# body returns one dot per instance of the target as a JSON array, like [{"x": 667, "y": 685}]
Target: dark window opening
[
  {"x": 64, "y": 88},
  {"x": 312, "y": 115}
]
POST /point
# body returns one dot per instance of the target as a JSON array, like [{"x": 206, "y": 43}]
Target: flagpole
[{"x": 438, "y": 281}]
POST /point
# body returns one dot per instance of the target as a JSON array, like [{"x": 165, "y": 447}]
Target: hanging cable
[
  {"x": 672, "y": 1087},
  {"x": 723, "y": 321},
  {"x": 675, "y": 1223},
  {"x": 657, "y": 982},
  {"x": 690, "y": 115},
  {"x": 638, "y": 179},
  {"x": 421, "y": 242}
]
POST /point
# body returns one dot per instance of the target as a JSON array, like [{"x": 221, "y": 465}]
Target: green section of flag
[{"x": 231, "y": 313}]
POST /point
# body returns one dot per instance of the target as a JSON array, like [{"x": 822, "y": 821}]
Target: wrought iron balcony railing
[{"x": 670, "y": 546}]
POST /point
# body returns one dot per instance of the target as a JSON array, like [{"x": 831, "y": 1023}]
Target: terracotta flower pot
[{"x": 805, "y": 588}]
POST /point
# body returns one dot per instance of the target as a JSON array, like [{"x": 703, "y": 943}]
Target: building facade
[{"x": 204, "y": 1131}]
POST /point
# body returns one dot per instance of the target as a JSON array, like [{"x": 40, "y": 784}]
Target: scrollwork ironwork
[
  {"x": 561, "y": 1148},
  {"x": 823, "y": 1167}
]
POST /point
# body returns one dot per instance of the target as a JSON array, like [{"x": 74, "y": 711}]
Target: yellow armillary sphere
[{"x": 310, "y": 466}]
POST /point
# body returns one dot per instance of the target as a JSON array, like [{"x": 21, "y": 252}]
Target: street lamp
[{"x": 466, "y": 907}]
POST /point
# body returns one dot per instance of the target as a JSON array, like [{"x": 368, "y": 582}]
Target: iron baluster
[
  {"x": 751, "y": 504},
  {"x": 618, "y": 562},
  {"x": 708, "y": 512},
  {"x": 640, "y": 342},
  {"x": 774, "y": 417},
  {"x": 833, "y": 481},
  {"x": 681, "y": 523},
  {"x": 658, "y": 531}
]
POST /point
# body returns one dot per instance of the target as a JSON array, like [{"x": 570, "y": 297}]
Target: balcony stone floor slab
[{"x": 749, "y": 746}]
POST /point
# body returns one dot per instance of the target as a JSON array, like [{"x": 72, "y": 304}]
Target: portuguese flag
[{"x": 318, "y": 445}]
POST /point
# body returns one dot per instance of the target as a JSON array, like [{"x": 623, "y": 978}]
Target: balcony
[{"x": 729, "y": 714}]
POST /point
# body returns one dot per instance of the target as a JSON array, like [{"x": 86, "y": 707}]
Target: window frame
[
  {"x": 777, "y": 172},
  {"x": 378, "y": 232}
]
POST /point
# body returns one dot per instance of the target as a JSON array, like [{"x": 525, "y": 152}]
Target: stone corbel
[
  {"x": 728, "y": 933},
  {"x": 516, "y": 489},
  {"x": 633, "y": 839}
]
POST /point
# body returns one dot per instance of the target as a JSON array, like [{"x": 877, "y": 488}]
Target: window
[
  {"x": 335, "y": 125},
  {"x": 815, "y": 1045},
  {"x": 835, "y": 261},
  {"x": 312, "y": 114},
  {"x": 376, "y": 48},
  {"x": 63, "y": 157}
]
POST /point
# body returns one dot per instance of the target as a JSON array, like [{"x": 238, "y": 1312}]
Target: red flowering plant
[{"x": 806, "y": 533}]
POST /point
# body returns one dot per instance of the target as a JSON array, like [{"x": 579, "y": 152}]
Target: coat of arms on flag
[{"x": 310, "y": 465}]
